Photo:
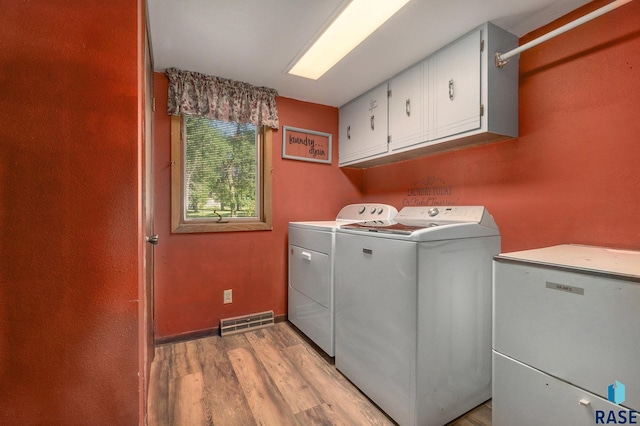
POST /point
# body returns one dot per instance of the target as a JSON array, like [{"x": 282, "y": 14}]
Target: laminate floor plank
[
  {"x": 479, "y": 416},
  {"x": 226, "y": 403},
  {"x": 159, "y": 376},
  {"x": 272, "y": 376},
  {"x": 293, "y": 387},
  {"x": 341, "y": 395},
  {"x": 187, "y": 403},
  {"x": 235, "y": 341},
  {"x": 265, "y": 401},
  {"x": 321, "y": 415},
  {"x": 184, "y": 359},
  {"x": 284, "y": 336}
]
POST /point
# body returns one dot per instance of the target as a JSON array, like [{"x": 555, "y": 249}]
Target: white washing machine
[
  {"x": 311, "y": 270},
  {"x": 413, "y": 311},
  {"x": 565, "y": 336}
]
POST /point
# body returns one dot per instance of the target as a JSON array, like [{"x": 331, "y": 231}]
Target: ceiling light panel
[{"x": 356, "y": 22}]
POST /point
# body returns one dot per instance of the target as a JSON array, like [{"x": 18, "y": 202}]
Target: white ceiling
[{"x": 255, "y": 41}]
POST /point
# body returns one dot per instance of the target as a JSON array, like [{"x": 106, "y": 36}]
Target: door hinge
[
  {"x": 153, "y": 104},
  {"x": 482, "y": 45},
  {"x": 481, "y": 110},
  {"x": 389, "y": 139},
  {"x": 389, "y": 93}
]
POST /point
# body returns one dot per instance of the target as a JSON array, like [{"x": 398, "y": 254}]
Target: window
[{"x": 220, "y": 176}]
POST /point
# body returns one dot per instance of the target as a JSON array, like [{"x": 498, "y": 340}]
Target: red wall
[
  {"x": 572, "y": 175},
  {"x": 69, "y": 215},
  {"x": 192, "y": 270}
]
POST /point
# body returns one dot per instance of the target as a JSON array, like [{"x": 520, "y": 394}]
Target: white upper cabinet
[
  {"x": 455, "y": 87},
  {"x": 406, "y": 109},
  {"x": 363, "y": 126},
  {"x": 456, "y": 97}
]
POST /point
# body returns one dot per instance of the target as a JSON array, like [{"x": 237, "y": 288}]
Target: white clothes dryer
[{"x": 311, "y": 270}]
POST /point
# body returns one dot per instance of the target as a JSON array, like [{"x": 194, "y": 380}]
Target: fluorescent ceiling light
[{"x": 354, "y": 24}]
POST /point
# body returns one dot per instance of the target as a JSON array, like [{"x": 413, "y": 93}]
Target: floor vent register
[{"x": 244, "y": 323}]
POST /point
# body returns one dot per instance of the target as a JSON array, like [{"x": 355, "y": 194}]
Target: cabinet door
[
  {"x": 363, "y": 126},
  {"x": 455, "y": 89},
  {"x": 406, "y": 108},
  {"x": 350, "y": 138}
]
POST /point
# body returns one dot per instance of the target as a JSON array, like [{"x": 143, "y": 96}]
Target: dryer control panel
[{"x": 367, "y": 212}]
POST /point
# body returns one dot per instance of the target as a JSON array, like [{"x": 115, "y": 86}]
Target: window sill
[{"x": 191, "y": 228}]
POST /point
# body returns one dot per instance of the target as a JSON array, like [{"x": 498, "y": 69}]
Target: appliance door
[
  {"x": 310, "y": 274},
  {"x": 376, "y": 319},
  {"x": 310, "y": 298},
  {"x": 310, "y": 268},
  {"x": 525, "y": 396}
]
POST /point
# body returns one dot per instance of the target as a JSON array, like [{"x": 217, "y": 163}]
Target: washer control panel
[{"x": 422, "y": 216}]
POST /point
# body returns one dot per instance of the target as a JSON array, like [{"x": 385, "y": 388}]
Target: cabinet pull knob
[
  {"x": 451, "y": 89},
  {"x": 408, "y": 107},
  {"x": 372, "y": 118},
  {"x": 348, "y": 132},
  {"x": 584, "y": 402}
]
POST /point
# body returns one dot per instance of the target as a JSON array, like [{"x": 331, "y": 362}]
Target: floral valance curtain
[{"x": 192, "y": 93}]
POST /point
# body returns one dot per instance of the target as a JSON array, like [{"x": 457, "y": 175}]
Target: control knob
[
  {"x": 362, "y": 209},
  {"x": 433, "y": 211}
]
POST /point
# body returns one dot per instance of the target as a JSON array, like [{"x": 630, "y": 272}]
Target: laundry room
[
  {"x": 119, "y": 305},
  {"x": 572, "y": 166}
]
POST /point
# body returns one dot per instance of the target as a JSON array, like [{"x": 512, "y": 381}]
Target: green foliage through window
[{"x": 221, "y": 169}]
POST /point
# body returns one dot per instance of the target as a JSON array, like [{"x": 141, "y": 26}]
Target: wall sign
[
  {"x": 306, "y": 145},
  {"x": 430, "y": 191}
]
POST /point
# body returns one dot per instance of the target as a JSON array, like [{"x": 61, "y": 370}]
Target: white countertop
[{"x": 589, "y": 258}]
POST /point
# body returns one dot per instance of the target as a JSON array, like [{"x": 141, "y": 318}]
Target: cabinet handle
[
  {"x": 372, "y": 118},
  {"x": 348, "y": 132},
  {"x": 584, "y": 402},
  {"x": 408, "y": 107},
  {"x": 451, "y": 89}
]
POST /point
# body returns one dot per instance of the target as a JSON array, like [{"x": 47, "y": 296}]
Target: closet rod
[{"x": 503, "y": 58}]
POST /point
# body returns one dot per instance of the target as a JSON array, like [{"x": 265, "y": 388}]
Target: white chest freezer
[{"x": 566, "y": 322}]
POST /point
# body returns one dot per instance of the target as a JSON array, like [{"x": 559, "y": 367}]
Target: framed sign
[{"x": 306, "y": 145}]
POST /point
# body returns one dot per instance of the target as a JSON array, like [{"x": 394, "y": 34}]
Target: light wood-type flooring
[{"x": 271, "y": 376}]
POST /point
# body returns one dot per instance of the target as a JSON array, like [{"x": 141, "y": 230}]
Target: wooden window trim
[{"x": 179, "y": 225}]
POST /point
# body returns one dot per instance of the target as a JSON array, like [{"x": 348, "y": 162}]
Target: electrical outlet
[{"x": 227, "y": 296}]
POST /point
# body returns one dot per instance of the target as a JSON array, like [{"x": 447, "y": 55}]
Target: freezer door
[{"x": 524, "y": 396}]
